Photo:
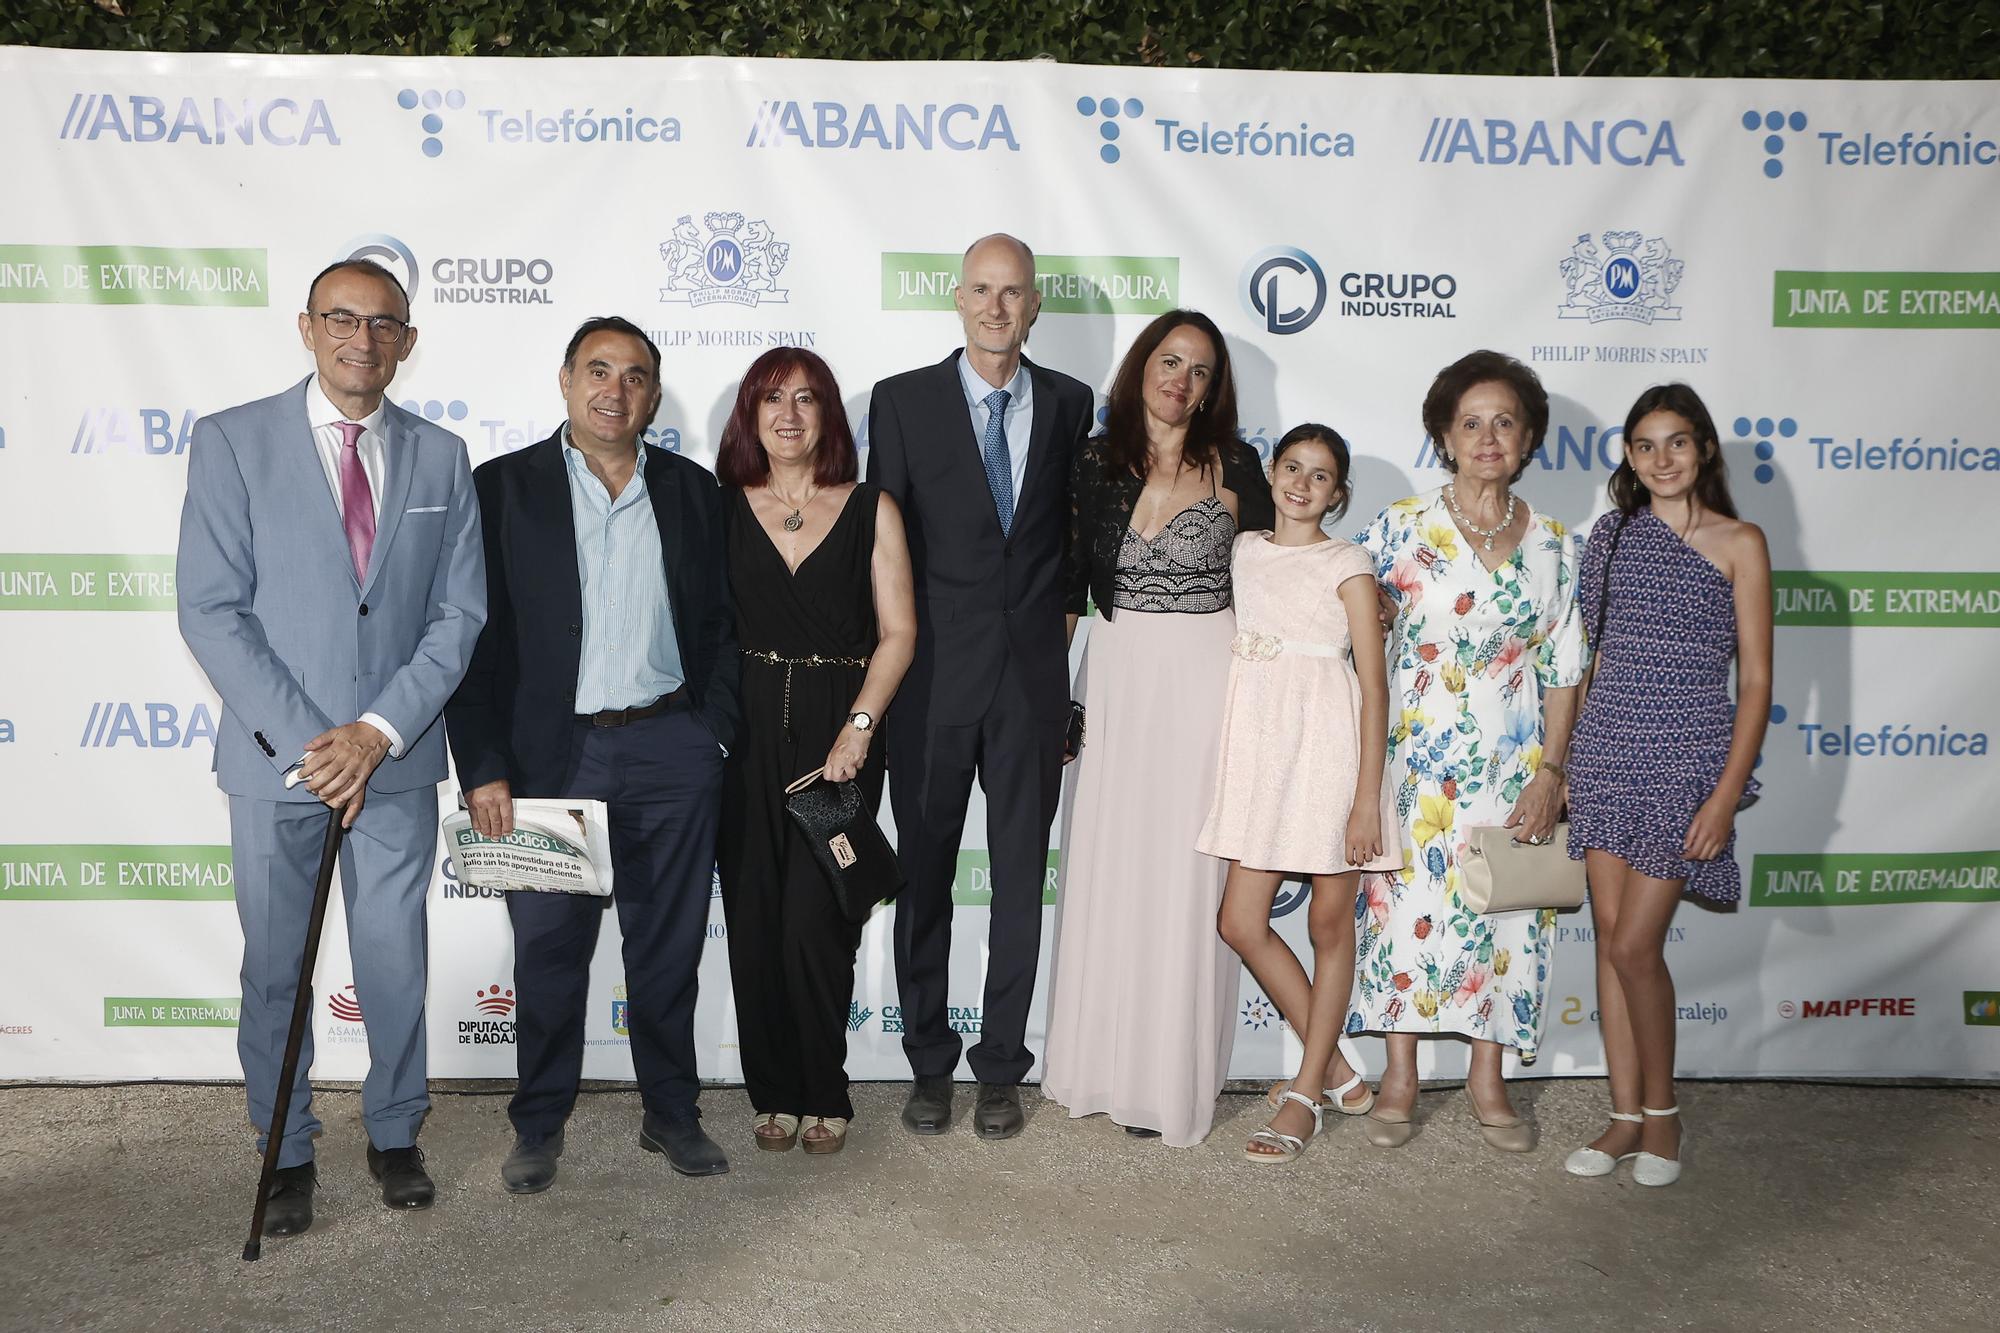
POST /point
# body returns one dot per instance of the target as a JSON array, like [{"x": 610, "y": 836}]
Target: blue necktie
[{"x": 999, "y": 467}]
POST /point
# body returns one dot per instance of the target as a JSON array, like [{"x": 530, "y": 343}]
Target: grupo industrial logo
[
  {"x": 1506, "y": 142},
  {"x": 220, "y": 122},
  {"x": 460, "y": 279},
  {"x": 893, "y": 127},
  {"x": 1870, "y": 1006},
  {"x": 133, "y": 432},
  {"x": 1285, "y": 288},
  {"x": 727, "y": 259},
  {"x": 1930, "y": 147},
  {"x": 436, "y": 108},
  {"x": 116, "y": 723},
  {"x": 1122, "y": 128},
  {"x": 1629, "y": 276}
]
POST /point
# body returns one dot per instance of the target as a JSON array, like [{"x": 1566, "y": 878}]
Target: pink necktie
[{"x": 357, "y": 501}]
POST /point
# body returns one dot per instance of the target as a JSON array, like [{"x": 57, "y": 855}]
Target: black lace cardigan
[{"x": 1101, "y": 510}]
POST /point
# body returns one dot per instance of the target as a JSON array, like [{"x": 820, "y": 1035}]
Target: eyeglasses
[{"x": 344, "y": 324}]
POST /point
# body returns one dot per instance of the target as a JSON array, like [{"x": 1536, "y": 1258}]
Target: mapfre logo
[
  {"x": 890, "y": 127},
  {"x": 279, "y": 122},
  {"x": 140, "y": 432},
  {"x": 1872, "y": 1006},
  {"x": 146, "y": 726}
]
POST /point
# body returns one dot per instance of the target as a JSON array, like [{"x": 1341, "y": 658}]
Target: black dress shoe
[
  {"x": 405, "y": 1183},
  {"x": 288, "y": 1209},
  {"x": 688, "y": 1148},
  {"x": 929, "y": 1109},
  {"x": 1141, "y": 1132},
  {"x": 531, "y": 1167},
  {"x": 997, "y": 1113}
]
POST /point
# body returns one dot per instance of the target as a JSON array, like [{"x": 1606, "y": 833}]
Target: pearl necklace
[{"x": 1451, "y": 496}]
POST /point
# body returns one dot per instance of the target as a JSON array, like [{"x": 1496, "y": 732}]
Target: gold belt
[{"x": 810, "y": 660}]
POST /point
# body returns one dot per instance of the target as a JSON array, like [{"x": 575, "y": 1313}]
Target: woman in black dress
[{"x": 820, "y": 573}]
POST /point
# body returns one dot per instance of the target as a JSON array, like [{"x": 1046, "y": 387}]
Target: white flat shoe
[
  {"x": 1652, "y": 1169},
  {"x": 1333, "y": 1096},
  {"x": 1594, "y": 1161}
]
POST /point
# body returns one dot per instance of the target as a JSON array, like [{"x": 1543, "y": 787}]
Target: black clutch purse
[{"x": 846, "y": 841}]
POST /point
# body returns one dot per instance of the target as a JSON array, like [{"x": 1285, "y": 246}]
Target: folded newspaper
[{"x": 556, "y": 847}]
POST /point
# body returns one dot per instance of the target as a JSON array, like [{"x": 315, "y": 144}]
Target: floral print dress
[{"x": 1470, "y": 655}]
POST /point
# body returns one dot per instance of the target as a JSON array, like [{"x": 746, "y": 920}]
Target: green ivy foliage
[{"x": 1829, "y": 39}]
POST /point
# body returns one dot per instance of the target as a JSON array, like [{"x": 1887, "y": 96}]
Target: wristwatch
[{"x": 860, "y": 721}]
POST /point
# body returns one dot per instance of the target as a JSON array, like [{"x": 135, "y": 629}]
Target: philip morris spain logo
[
  {"x": 115, "y": 872},
  {"x": 1629, "y": 276},
  {"x": 220, "y": 122},
  {"x": 132, "y": 275},
  {"x": 1873, "y": 879},
  {"x": 726, "y": 260},
  {"x": 1069, "y": 284}
]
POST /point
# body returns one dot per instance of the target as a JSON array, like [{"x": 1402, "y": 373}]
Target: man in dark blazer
[
  {"x": 607, "y": 670},
  {"x": 977, "y": 451}
]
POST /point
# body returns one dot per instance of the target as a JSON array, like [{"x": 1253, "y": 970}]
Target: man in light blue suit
[{"x": 332, "y": 584}]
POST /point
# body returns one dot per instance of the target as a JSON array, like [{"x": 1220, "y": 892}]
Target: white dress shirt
[{"x": 325, "y": 419}]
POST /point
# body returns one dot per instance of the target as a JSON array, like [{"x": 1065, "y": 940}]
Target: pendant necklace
[
  {"x": 795, "y": 520},
  {"x": 1451, "y": 494}
]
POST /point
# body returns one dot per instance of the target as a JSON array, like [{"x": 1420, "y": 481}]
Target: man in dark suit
[
  {"x": 977, "y": 451},
  {"x": 607, "y": 670}
]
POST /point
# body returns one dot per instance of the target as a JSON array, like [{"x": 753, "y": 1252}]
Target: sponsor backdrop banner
[{"x": 1817, "y": 258}]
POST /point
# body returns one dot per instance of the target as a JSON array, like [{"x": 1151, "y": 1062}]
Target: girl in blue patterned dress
[{"x": 1662, "y": 756}]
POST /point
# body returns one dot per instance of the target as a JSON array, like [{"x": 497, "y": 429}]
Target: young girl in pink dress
[{"x": 1299, "y": 789}]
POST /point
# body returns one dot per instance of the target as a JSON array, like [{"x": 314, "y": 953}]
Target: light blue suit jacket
[{"x": 270, "y": 607}]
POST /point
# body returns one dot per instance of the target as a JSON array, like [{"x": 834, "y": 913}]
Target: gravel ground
[{"x": 1803, "y": 1207}]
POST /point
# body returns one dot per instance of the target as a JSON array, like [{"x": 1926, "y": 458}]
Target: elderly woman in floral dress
[{"x": 1487, "y": 649}]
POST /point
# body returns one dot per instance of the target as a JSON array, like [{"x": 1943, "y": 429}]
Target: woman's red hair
[{"x": 741, "y": 461}]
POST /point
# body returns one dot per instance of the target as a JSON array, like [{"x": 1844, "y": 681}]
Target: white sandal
[
  {"x": 1333, "y": 1095},
  {"x": 1595, "y": 1161},
  {"x": 1289, "y": 1146},
  {"x": 1652, "y": 1169}
]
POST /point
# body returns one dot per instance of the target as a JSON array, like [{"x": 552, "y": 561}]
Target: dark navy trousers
[{"x": 662, "y": 778}]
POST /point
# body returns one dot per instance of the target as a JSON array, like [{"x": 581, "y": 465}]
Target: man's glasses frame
[{"x": 344, "y": 324}]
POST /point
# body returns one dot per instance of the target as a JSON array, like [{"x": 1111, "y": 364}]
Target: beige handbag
[{"x": 1498, "y": 874}]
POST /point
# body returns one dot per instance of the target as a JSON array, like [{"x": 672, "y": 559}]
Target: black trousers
[
  {"x": 791, "y": 962},
  {"x": 1017, "y": 758},
  {"x": 661, "y": 776}
]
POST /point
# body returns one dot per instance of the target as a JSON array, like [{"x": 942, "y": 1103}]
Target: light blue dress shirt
[
  {"x": 1020, "y": 418},
  {"x": 630, "y": 653}
]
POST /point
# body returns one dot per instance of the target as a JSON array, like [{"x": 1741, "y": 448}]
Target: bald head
[{"x": 1000, "y": 244}]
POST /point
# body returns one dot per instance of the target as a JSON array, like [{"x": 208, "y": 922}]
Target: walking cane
[{"x": 301, "y": 1010}]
